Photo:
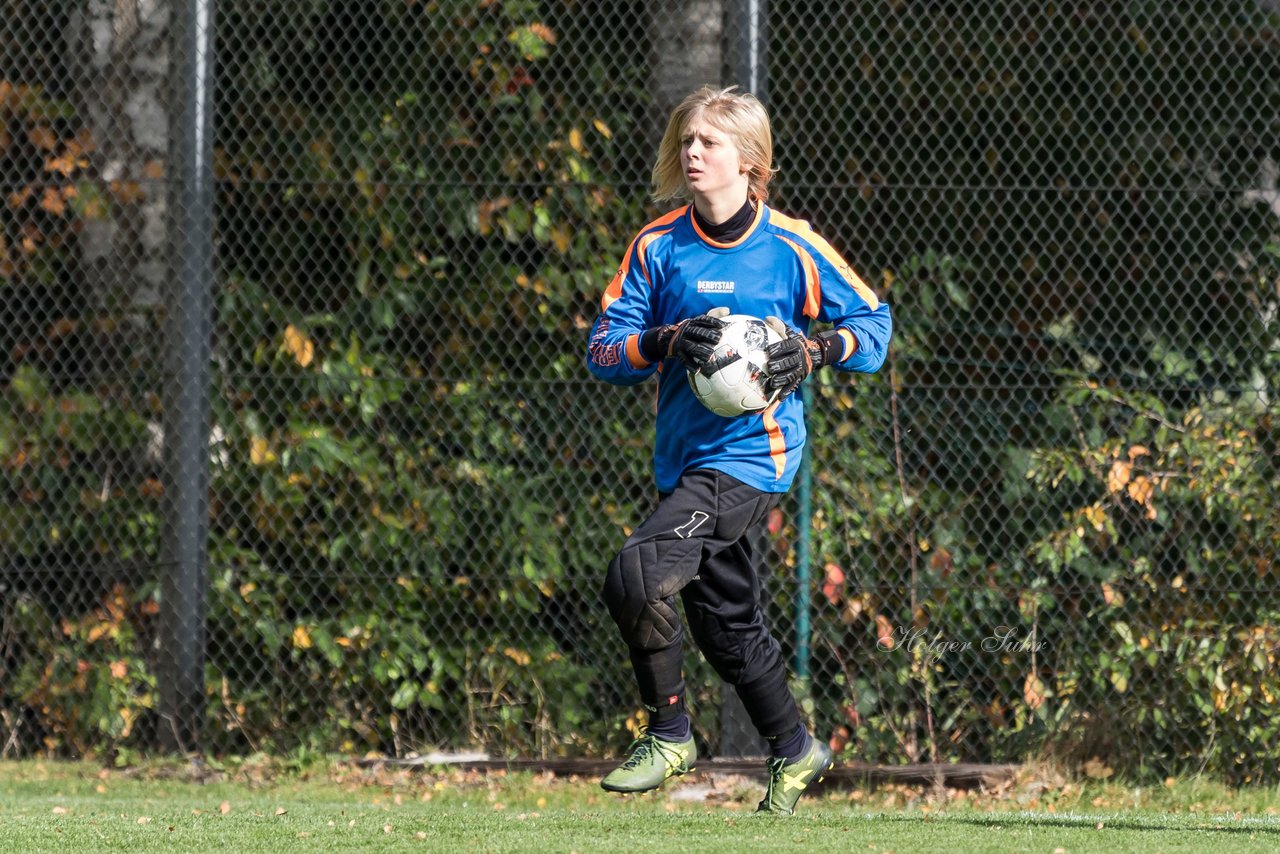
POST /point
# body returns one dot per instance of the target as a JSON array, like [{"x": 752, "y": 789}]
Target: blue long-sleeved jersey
[{"x": 779, "y": 267}]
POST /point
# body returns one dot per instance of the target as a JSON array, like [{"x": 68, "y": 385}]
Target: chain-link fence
[{"x": 1049, "y": 524}]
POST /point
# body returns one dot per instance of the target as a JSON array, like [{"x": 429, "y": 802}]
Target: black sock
[
  {"x": 790, "y": 747},
  {"x": 674, "y": 729}
]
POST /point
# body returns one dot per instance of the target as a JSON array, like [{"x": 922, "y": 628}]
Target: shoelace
[
  {"x": 646, "y": 744},
  {"x": 775, "y": 775}
]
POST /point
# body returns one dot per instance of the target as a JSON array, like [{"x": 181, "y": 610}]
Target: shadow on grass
[{"x": 1108, "y": 822}]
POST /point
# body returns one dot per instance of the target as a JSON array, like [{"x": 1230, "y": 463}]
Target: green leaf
[
  {"x": 404, "y": 696},
  {"x": 1126, "y": 635},
  {"x": 529, "y": 43}
]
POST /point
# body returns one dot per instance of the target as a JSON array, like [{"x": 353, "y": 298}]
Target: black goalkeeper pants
[{"x": 703, "y": 542}]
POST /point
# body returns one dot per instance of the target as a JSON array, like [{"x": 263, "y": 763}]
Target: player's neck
[{"x": 717, "y": 208}]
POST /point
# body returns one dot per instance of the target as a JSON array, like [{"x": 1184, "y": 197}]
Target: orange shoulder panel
[
  {"x": 800, "y": 228},
  {"x": 644, "y": 239}
]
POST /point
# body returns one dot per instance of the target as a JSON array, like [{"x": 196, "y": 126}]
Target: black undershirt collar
[{"x": 732, "y": 228}]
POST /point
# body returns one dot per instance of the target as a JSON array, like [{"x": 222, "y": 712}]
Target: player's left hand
[{"x": 794, "y": 358}]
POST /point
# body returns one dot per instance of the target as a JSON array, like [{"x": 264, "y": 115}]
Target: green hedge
[{"x": 416, "y": 487}]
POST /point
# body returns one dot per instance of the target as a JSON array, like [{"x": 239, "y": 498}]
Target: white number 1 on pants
[{"x": 686, "y": 530}]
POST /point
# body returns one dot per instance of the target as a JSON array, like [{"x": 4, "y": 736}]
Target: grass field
[{"x": 259, "y": 805}]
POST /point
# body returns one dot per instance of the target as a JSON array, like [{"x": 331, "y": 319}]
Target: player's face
[{"x": 711, "y": 162}]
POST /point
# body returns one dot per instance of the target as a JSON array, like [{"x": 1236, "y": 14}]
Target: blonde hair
[{"x": 739, "y": 114}]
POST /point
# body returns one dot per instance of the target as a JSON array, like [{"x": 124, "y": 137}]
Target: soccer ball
[{"x": 732, "y": 381}]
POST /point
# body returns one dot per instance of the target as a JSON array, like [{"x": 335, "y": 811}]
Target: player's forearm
[
  {"x": 613, "y": 355},
  {"x": 870, "y": 336}
]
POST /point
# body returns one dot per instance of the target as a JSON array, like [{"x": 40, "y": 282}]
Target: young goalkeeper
[{"x": 718, "y": 478}]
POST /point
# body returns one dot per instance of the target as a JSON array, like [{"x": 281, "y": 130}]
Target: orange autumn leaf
[
  {"x": 1140, "y": 490},
  {"x": 833, "y": 582},
  {"x": 42, "y": 137},
  {"x": 543, "y": 32},
  {"x": 299, "y": 345},
  {"x": 884, "y": 632},
  {"x": 1119, "y": 476},
  {"x": 1033, "y": 691},
  {"x": 53, "y": 202},
  {"x": 66, "y": 164}
]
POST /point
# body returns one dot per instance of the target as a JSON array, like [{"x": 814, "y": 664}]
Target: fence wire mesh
[{"x": 1049, "y": 525}]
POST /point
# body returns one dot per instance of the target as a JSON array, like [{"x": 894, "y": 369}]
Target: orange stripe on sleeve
[
  {"x": 633, "y": 353},
  {"x": 802, "y": 229},
  {"x": 777, "y": 445},
  {"x": 850, "y": 343},
  {"x": 812, "y": 285},
  {"x": 614, "y": 290},
  {"x": 854, "y": 280}
]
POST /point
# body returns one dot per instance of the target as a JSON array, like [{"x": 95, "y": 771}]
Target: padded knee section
[{"x": 640, "y": 589}]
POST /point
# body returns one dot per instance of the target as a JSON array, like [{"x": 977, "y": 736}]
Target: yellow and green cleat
[
  {"x": 650, "y": 761},
  {"x": 787, "y": 780}
]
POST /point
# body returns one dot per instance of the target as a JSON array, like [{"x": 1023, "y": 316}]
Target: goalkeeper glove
[
  {"x": 692, "y": 340},
  {"x": 796, "y": 356}
]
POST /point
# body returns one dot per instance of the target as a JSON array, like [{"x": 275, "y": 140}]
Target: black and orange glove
[
  {"x": 692, "y": 340},
  {"x": 796, "y": 356}
]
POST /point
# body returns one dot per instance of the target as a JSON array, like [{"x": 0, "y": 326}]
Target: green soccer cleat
[
  {"x": 787, "y": 780},
  {"x": 649, "y": 762}
]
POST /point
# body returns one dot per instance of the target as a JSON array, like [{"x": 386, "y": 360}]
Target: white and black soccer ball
[{"x": 732, "y": 382}]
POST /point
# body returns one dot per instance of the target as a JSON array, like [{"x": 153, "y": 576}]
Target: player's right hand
[{"x": 693, "y": 339}]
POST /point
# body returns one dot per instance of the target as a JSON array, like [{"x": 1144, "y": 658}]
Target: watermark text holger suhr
[{"x": 1002, "y": 639}]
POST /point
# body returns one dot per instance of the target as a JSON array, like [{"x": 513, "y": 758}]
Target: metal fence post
[
  {"x": 188, "y": 325},
  {"x": 749, "y": 46}
]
